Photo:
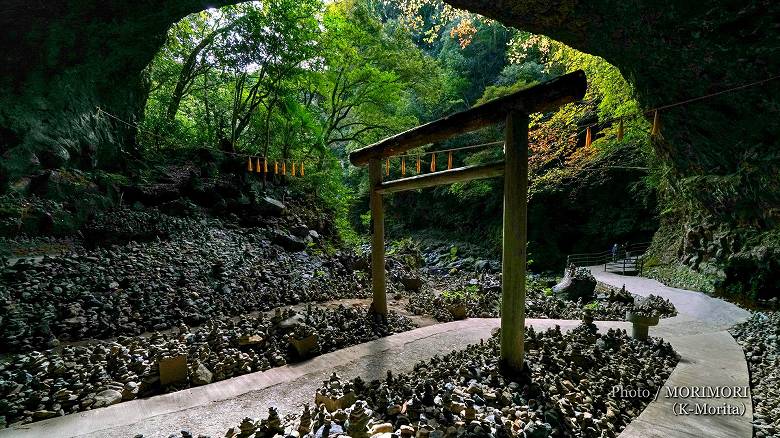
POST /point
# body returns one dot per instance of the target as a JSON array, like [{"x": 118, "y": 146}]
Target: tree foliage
[{"x": 302, "y": 79}]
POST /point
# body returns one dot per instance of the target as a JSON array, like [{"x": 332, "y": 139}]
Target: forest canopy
[{"x": 311, "y": 80}]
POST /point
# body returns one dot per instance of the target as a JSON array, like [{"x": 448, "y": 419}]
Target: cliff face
[
  {"x": 674, "y": 52},
  {"x": 720, "y": 201},
  {"x": 63, "y": 59}
]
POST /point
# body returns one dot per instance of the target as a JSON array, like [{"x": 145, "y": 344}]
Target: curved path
[{"x": 709, "y": 357}]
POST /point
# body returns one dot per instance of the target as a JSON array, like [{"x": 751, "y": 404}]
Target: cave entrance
[{"x": 514, "y": 109}]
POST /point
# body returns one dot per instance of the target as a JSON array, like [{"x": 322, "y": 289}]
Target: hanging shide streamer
[
  {"x": 403, "y": 166},
  {"x": 387, "y": 166},
  {"x": 265, "y": 165},
  {"x": 284, "y": 168},
  {"x": 293, "y": 169},
  {"x": 433, "y": 162},
  {"x": 257, "y": 166},
  {"x": 449, "y": 161},
  {"x": 276, "y": 168},
  {"x": 620, "y": 131},
  {"x": 656, "y": 125},
  {"x": 302, "y": 169},
  {"x": 418, "y": 164},
  {"x": 249, "y": 164},
  {"x": 588, "y": 138}
]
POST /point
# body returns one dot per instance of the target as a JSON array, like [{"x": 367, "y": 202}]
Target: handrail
[
  {"x": 543, "y": 97},
  {"x": 624, "y": 260},
  {"x": 590, "y": 253}
]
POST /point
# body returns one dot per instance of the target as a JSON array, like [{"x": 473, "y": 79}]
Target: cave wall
[
  {"x": 720, "y": 201},
  {"x": 61, "y": 59},
  {"x": 676, "y": 50}
]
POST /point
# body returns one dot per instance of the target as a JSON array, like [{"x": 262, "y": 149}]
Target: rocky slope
[
  {"x": 193, "y": 269},
  {"x": 62, "y": 60},
  {"x": 75, "y": 378}
]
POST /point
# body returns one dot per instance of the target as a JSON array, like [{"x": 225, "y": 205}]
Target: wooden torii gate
[{"x": 514, "y": 109}]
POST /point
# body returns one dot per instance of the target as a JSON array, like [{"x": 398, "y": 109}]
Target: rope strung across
[
  {"x": 250, "y": 167},
  {"x": 655, "y": 131}
]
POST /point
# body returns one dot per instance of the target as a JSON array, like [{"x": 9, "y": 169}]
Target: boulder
[
  {"x": 107, "y": 398},
  {"x": 292, "y": 323},
  {"x": 458, "y": 311},
  {"x": 287, "y": 241},
  {"x": 130, "y": 391},
  {"x": 202, "y": 375},
  {"x": 576, "y": 283},
  {"x": 412, "y": 283},
  {"x": 270, "y": 206},
  {"x": 300, "y": 231}
]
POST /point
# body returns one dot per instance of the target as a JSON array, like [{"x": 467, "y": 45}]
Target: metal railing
[{"x": 627, "y": 259}]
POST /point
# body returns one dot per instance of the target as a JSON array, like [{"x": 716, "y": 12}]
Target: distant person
[{"x": 614, "y": 252}]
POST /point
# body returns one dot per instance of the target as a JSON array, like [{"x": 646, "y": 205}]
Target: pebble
[
  {"x": 482, "y": 299},
  {"x": 105, "y": 373},
  {"x": 172, "y": 270},
  {"x": 758, "y": 338},
  {"x": 429, "y": 393}
]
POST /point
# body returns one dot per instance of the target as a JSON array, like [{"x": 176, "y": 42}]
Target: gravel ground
[
  {"x": 481, "y": 294},
  {"x": 760, "y": 339},
  {"x": 200, "y": 270},
  {"x": 566, "y": 390},
  {"x": 42, "y": 385}
]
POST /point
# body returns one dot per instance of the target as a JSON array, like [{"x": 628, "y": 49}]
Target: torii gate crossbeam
[{"x": 514, "y": 109}]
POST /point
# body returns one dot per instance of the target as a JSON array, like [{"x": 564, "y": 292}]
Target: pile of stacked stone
[
  {"x": 759, "y": 337},
  {"x": 40, "y": 385},
  {"x": 203, "y": 269},
  {"x": 481, "y": 294},
  {"x": 567, "y": 389}
]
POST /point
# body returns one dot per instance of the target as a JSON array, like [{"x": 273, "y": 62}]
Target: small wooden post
[
  {"x": 379, "y": 305},
  {"x": 514, "y": 241}
]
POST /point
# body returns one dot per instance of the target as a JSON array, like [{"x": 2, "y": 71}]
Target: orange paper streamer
[
  {"x": 302, "y": 170},
  {"x": 449, "y": 161},
  {"x": 284, "y": 168},
  {"x": 257, "y": 167},
  {"x": 403, "y": 166},
  {"x": 249, "y": 164},
  {"x": 293, "y": 169},
  {"x": 265, "y": 165},
  {"x": 387, "y": 166},
  {"x": 433, "y": 162},
  {"x": 588, "y": 138},
  {"x": 418, "y": 164},
  {"x": 656, "y": 125}
]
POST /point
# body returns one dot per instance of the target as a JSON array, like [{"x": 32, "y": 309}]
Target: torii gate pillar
[{"x": 515, "y": 235}]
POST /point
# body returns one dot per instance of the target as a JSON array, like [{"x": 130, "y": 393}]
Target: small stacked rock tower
[{"x": 514, "y": 109}]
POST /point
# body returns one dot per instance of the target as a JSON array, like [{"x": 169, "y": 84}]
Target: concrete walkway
[
  {"x": 286, "y": 388},
  {"x": 709, "y": 357}
]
